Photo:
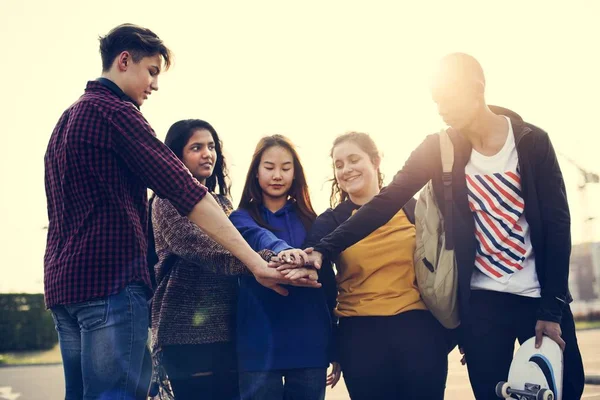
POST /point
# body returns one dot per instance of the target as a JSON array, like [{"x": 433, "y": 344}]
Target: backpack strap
[
  {"x": 409, "y": 210},
  {"x": 447, "y": 152}
]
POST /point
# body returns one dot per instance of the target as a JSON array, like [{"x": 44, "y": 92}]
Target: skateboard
[{"x": 534, "y": 374}]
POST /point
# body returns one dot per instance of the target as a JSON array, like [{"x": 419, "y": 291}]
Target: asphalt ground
[{"x": 43, "y": 382}]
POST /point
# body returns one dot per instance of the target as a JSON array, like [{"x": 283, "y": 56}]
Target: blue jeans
[
  {"x": 300, "y": 384},
  {"x": 103, "y": 344}
]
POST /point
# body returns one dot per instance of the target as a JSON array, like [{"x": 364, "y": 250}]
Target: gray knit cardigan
[{"x": 195, "y": 299}]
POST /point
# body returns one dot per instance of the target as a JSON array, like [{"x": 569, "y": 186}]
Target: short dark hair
[{"x": 140, "y": 42}]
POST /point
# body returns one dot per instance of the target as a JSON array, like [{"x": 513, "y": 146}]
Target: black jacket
[{"x": 546, "y": 210}]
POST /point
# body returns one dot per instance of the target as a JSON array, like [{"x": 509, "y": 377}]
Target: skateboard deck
[{"x": 534, "y": 374}]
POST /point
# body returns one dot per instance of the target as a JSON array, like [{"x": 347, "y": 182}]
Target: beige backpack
[{"x": 435, "y": 265}]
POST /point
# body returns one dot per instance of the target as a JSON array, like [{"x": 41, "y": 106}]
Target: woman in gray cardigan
[{"x": 195, "y": 299}]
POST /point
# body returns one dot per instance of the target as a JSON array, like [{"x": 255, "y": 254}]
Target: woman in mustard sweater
[{"x": 388, "y": 343}]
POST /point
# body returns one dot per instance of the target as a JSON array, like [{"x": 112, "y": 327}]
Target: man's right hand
[
  {"x": 273, "y": 279},
  {"x": 298, "y": 274},
  {"x": 550, "y": 329}
]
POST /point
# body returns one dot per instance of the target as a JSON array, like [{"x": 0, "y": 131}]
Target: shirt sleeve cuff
[
  {"x": 550, "y": 309},
  {"x": 281, "y": 247},
  {"x": 324, "y": 252},
  {"x": 267, "y": 254},
  {"x": 185, "y": 203}
]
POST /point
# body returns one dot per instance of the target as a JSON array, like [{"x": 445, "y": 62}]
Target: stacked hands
[
  {"x": 298, "y": 266},
  {"x": 291, "y": 267}
]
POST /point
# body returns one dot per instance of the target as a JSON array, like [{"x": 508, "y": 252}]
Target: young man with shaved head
[{"x": 511, "y": 227}]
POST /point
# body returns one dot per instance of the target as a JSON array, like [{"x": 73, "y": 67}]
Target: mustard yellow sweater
[{"x": 376, "y": 276}]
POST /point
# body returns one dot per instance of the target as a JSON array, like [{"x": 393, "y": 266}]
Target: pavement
[
  {"x": 37, "y": 382},
  {"x": 458, "y": 387},
  {"x": 45, "y": 382}
]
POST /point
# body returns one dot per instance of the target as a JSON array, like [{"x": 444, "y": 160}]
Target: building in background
[{"x": 584, "y": 278}]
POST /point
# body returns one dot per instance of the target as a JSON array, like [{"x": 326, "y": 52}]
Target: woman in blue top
[{"x": 279, "y": 337}]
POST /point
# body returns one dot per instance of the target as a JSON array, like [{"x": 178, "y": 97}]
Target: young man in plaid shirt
[{"x": 102, "y": 157}]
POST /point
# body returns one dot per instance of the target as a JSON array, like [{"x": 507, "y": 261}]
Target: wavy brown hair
[
  {"x": 252, "y": 195},
  {"x": 366, "y": 144}
]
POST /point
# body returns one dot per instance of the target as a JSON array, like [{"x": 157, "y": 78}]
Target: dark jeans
[
  {"x": 498, "y": 319},
  {"x": 300, "y": 384},
  {"x": 404, "y": 356},
  {"x": 202, "y": 371},
  {"x": 103, "y": 344}
]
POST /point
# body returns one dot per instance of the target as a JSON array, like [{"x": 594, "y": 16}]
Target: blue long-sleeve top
[{"x": 276, "y": 332}]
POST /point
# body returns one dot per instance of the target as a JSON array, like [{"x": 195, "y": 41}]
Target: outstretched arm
[
  {"x": 257, "y": 236},
  {"x": 417, "y": 171},
  {"x": 153, "y": 162},
  {"x": 188, "y": 241}
]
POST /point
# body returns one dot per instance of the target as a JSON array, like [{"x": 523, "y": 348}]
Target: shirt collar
[{"x": 116, "y": 90}]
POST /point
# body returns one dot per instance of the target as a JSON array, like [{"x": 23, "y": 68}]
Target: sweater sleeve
[
  {"x": 256, "y": 236},
  {"x": 153, "y": 162},
  {"x": 556, "y": 222},
  {"x": 417, "y": 171},
  {"x": 186, "y": 240}
]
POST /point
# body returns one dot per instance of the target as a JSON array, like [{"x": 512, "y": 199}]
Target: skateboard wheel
[
  {"x": 502, "y": 390},
  {"x": 545, "y": 394}
]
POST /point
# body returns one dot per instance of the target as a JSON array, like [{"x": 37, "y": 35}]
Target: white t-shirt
[{"x": 504, "y": 259}]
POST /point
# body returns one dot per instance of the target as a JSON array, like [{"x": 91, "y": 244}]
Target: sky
[{"x": 310, "y": 70}]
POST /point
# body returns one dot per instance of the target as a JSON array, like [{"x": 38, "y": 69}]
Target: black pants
[
  {"x": 404, "y": 356},
  {"x": 498, "y": 319},
  {"x": 202, "y": 372}
]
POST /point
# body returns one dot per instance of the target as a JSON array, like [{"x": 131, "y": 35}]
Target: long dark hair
[
  {"x": 366, "y": 144},
  {"x": 177, "y": 137},
  {"x": 252, "y": 196}
]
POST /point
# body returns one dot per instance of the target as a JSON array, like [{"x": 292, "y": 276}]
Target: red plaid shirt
[{"x": 102, "y": 157}]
